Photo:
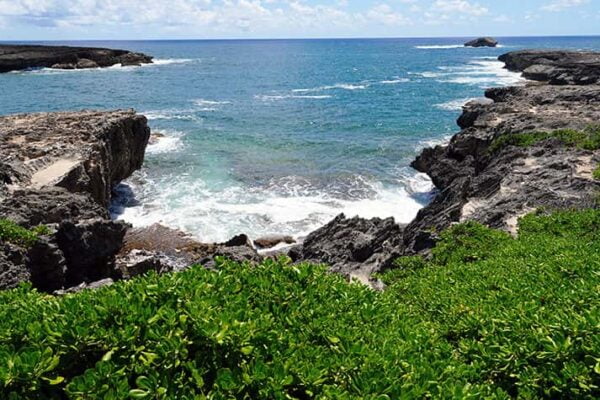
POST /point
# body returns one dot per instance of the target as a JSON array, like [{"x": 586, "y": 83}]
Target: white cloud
[
  {"x": 560, "y": 5},
  {"x": 460, "y": 6},
  {"x": 383, "y": 13},
  {"x": 202, "y": 16}
]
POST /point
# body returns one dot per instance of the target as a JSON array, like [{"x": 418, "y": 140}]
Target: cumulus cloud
[
  {"x": 560, "y": 5},
  {"x": 213, "y": 14},
  {"x": 460, "y": 6}
]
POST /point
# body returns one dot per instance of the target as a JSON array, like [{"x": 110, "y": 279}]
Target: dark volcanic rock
[
  {"x": 90, "y": 248},
  {"x": 13, "y": 268},
  {"x": 20, "y": 57},
  {"x": 355, "y": 247},
  {"x": 161, "y": 249},
  {"x": 85, "y": 151},
  {"x": 269, "y": 242},
  {"x": 60, "y": 170},
  {"x": 482, "y": 42},
  {"x": 473, "y": 182},
  {"x": 558, "y": 67}
]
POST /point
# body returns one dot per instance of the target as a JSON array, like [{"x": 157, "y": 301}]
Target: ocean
[{"x": 278, "y": 136}]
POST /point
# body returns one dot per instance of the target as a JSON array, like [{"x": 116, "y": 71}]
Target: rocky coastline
[
  {"x": 23, "y": 57},
  {"x": 59, "y": 169},
  {"x": 476, "y": 179}
]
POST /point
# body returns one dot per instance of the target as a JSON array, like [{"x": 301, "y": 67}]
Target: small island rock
[{"x": 482, "y": 42}]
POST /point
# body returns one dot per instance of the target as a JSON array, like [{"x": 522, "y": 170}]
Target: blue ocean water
[{"x": 278, "y": 136}]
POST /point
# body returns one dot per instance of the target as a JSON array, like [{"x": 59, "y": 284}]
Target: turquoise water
[{"x": 270, "y": 137}]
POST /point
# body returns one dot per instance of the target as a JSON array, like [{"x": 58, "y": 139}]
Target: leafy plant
[
  {"x": 487, "y": 316},
  {"x": 16, "y": 234},
  {"x": 588, "y": 139},
  {"x": 596, "y": 173}
]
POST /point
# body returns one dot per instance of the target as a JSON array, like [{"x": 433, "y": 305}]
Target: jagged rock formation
[
  {"x": 58, "y": 169},
  {"x": 482, "y": 42},
  {"x": 161, "y": 249},
  {"x": 475, "y": 181},
  {"x": 20, "y": 57},
  {"x": 558, "y": 67}
]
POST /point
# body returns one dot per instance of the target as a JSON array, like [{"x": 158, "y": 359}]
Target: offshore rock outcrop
[
  {"x": 58, "y": 169},
  {"x": 482, "y": 42},
  {"x": 475, "y": 181},
  {"x": 21, "y": 57}
]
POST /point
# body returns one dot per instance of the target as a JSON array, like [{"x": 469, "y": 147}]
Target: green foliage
[
  {"x": 596, "y": 173},
  {"x": 487, "y": 316},
  {"x": 15, "y": 234},
  {"x": 588, "y": 139}
]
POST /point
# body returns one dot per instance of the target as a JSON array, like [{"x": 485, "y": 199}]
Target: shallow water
[{"x": 279, "y": 136}]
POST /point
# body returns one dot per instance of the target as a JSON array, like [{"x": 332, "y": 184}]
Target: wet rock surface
[
  {"x": 161, "y": 249},
  {"x": 61, "y": 168},
  {"x": 21, "y": 57},
  {"x": 475, "y": 182}
]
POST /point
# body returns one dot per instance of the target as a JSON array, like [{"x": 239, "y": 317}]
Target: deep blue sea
[{"x": 278, "y": 136}]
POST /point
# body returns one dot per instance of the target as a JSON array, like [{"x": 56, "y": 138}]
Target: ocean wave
[
  {"x": 482, "y": 72},
  {"x": 440, "y": 46},
  {"x": 113, "y": 68},
  {"x": 165, "y": 141},
  {"x": 266, "y": 97},
  {"x": 169, "y": 61},
  {"x": 204, "y": 102},
  {"x": 394, "y": 81},
  {"x": 291, "y": 208},
  {"x": 342, "y": 86},
  {"x": 182, "y": 115},
  {"x": 454, "y": 105},
  {"x": 433, "y": 142}
]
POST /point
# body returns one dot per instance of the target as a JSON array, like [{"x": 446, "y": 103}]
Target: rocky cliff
[
  {"x": 58, "y": 169},
  {"x": 533, "y": 147},
  {"x": 20, "y": 57}
]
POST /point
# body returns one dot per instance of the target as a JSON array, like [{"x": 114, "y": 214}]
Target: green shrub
[
  {"x": 596, "y": 173},
  {"x": 16, "y": 234},
  {"x": 487, "y": 316},
  {"x": 588, "y": 139}
]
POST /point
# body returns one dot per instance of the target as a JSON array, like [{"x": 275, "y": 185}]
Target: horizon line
[{"x": 300, "y": 38}]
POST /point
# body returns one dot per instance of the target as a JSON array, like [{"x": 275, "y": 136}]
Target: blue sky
[{"x": 199, "y": 19}]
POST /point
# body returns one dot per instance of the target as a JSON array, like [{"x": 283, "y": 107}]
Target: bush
[
  {"x": 488, "y": 316},
  {"x": 15, "y": 234},
  {"x": 588, "y": 139},
  {"x": 596, "y": 173}
]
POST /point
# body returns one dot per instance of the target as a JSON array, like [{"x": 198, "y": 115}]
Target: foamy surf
[
  {"x": 270, "y": 98},
  {"x": 165, "y": 141},
  {"x": 440, "y": 47},
  {"x": 216, "y": 215},
  {"x": 455, "y": 105},
  {"x": 482, "y": 72}
]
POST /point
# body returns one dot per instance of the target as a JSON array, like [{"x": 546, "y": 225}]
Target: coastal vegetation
[
  {"x": 587, "y": 139},
  {"x": 17, "y": 235},
  {"x": 486, "y": 316}
]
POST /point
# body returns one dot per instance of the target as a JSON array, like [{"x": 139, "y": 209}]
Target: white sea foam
[
  {"x": 169, "y": 61},
  {"x": 204, "y": 102},
  {"x": 433, "y": 142},
  {"x": 440, "y": 46},
  {"x": 455, "y": 105},
  {"x": 182, "y": 115},
  {"x": 394, "y": 81},
  {"x": 482, "y": 72},
  {"x": 216, "y": 215},
  {"x": 114, "y": 68},
  {"x": 342, "y": 86},
  {"x": 166, "y": 141},
  {"x": 266, "y": 98}
]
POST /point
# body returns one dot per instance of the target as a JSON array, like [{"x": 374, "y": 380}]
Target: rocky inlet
[
  {"x": 477, "y": 179},
  {"x": 59, "y": 169}
]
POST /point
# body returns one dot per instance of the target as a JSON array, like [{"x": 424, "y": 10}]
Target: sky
[{"x": 226, "y": 19}]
